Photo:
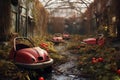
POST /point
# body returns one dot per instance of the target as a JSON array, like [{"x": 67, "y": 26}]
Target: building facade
[
  {"x": 19, "y": 16},
  {"x": 103, "y": 15}
]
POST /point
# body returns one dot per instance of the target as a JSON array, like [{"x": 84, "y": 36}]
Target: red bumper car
[
  {"x": 99, "y": 40},
  {"x": 29, "y": 56},
  {"x": 57, "y": 38},
  {"x": 66, "y": 36}
]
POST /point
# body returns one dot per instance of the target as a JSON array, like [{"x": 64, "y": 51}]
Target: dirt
[
  {"x": 68, "y": 70},
  {"x": 65, "y": 71}
]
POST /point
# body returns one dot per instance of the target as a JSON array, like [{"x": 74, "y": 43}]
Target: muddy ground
[{"x": 67, "y": 70}]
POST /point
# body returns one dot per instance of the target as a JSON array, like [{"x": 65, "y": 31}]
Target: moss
[
  {"x": 10, "y": 71},
  {"x": 58, "y": 59},
  {"x": 106, "y": 69}
]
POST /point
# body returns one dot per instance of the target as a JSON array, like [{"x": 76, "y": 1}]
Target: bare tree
[{"x": 55, "y": 5}]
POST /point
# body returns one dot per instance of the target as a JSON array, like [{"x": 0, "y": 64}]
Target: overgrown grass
[
  {"x": 58, "y": 59},
  {"x": 101, "y": 70}
]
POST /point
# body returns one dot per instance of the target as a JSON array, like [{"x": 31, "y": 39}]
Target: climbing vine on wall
[{"x": 41, "y": 17}]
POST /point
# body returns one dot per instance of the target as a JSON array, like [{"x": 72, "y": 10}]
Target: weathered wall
[
  {"x": 34, "y": 22},
  {"x": 4, "y": 19},
  {"x": 104, "y": 11}
]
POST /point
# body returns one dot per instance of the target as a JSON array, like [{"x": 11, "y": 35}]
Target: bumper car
[
  {"x": 99, "y": 40},
  {"x": 57, "y": 38},
  {"x": 29, "y": 56},
  {"x": 66, "y": 36}
]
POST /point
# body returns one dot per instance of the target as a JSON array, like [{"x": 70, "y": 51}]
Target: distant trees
[
  {"x": 56, "y": 25},
  {"x": 69, "y": 8}
]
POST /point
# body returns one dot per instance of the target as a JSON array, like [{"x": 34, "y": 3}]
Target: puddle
[
  {"x": 66, "y": 71},
  {"x": 64, "y": 77}
]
